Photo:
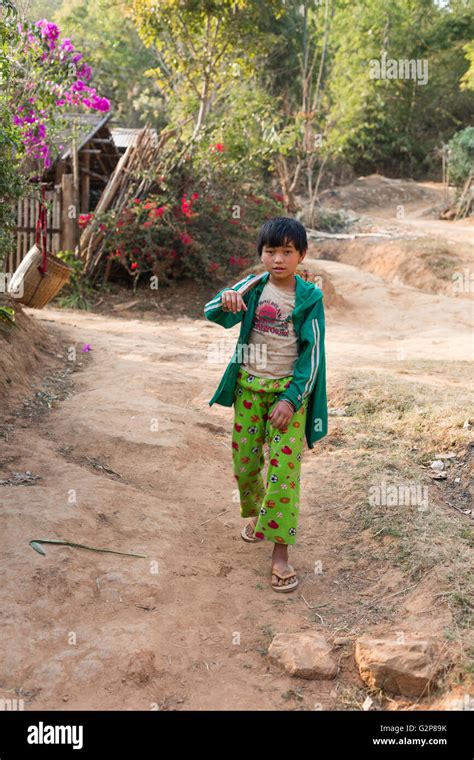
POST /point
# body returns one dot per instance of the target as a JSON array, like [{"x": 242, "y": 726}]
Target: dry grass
[{"x": 393, "y": 431}]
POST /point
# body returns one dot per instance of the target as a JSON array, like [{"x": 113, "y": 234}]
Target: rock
[
  {"x": 437, "y": 465},
  {"x": 337, "y": 413},
  {"x": 407, "y": 668},
  {"x": 305, "y": 655}
]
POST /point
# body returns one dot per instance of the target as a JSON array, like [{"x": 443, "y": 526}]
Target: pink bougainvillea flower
[
  {"x": 213, "y": 266},
  {"x": 185, "y": 238},
  {"x": 85, "y": 72},
  {"x": 66, "y": 45},
  {"x": 48, "y": 29},
  {"x": 86, "y": 347},
  {"x": 101, "y": 104}
]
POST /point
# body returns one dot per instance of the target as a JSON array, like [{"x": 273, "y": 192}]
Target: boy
[{"x": 276, "y": 381}]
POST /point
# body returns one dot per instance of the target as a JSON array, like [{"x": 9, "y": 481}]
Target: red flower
[
  {"x": 84, "y": 219},
  {"x": 239, "y": 261},
  {"x": 213, "y": 266},
  {"x": 134, "y": 265},
  {"x": 185, "y": 238},
  {"x": 157, "y": 212},
  {"x": 187, "y": 206},
  {"x": 218, "y": 147}
]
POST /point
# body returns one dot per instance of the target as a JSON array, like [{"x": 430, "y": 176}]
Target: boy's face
[{"x": 283, "y": 261}]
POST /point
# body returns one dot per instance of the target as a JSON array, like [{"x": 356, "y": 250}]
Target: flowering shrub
[
  {"x": 46, "y": 77},
  {"x": 207, "y": 229}
]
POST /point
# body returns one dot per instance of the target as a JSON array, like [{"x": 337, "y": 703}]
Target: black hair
[{"x": 281, "y": 230}]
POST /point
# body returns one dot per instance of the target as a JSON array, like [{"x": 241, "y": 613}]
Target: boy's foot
[
  {"x": 249, "y": 530},
  {"x": 283, "y": 574}
]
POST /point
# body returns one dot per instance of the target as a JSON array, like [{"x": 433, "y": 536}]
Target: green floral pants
[{"x": 276, "y": 503}]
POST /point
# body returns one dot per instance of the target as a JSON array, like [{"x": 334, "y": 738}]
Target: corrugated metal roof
[{"x": 125, "y": 136}]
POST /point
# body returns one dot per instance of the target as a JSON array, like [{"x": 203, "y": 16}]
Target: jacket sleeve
[
  {"x": 310, "y": 359},
  {"x": 213, "y": 309}
]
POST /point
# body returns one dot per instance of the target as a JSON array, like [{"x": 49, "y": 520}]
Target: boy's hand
[
  {"x": 281, "y": 415},
  {"x": 232, "y": 301}
]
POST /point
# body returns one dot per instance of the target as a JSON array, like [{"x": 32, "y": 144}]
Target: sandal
[
  {"x": 287, "y": 586},
  {"x": 245, "y": 535}
]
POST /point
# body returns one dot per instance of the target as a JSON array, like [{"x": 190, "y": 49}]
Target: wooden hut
[{"x": 74, "y": 182}]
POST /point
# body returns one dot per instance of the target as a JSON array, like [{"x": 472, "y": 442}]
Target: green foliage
[
  {"x": 467, "y": 80},
  {"x": 7, "y": 315},
  {"x": 79, "y": 292},
  {"x": 12, "y": 188},
  {"x": 461, "y": 156},
  {"x": 104, "y": 31},
  {"x": 203, "y": 49}
]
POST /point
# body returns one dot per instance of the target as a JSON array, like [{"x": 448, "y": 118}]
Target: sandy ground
[{"x": 188, "y": 628}]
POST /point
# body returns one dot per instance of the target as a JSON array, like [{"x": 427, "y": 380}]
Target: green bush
[{"x": 461, "y": 156}]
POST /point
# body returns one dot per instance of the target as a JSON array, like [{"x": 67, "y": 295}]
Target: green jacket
[{"x": 309, "y": 371}]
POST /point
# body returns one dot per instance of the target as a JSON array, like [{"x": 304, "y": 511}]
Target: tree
[{"x": 202, "y": 45}]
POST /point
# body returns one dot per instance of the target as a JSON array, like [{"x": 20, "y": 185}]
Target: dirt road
[{"x": 188, "y": 628}]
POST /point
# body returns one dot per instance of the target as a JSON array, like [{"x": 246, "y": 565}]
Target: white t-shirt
[{"x": 273, "y": 343}]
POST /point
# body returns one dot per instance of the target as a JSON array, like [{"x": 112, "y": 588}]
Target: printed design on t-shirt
[{"x": 268, "y": 319}]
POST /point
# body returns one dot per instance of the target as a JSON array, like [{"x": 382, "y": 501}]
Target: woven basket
[{"x": 29, "y": 287}]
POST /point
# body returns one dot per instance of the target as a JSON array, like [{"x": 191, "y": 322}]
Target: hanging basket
[{"x": 30, "y": 286}]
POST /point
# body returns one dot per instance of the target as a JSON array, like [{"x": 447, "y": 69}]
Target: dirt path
[{"x": 189, "y": 627}]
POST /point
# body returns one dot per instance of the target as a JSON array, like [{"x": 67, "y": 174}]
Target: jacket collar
[{"x": 306, "y": 293}]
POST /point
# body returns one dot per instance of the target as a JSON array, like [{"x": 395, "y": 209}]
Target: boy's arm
[
  {"x": 310, "y": 358},
  {"x": 213, "y": 309}
]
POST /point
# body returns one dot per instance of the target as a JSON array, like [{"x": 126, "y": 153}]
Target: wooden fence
[{"x": 27, "y": 214}]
